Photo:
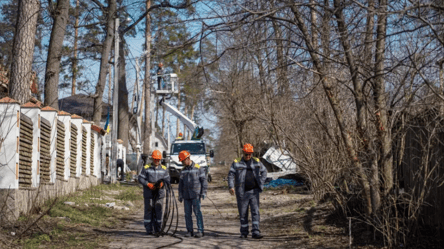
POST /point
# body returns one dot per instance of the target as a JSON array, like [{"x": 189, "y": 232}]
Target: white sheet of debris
[{"x": 281, "y": 159}]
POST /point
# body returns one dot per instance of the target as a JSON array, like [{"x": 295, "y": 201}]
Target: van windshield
[{"x": 197, "y": 148}]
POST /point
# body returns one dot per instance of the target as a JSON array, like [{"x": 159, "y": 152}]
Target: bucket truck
[{"x": 195, "y": 146}]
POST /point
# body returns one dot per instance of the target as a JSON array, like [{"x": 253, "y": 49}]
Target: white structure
[
  {"x": 65, "y": 118},
  {"x": 77, "y": 121},
  {"x": 280, "y": 158},
  {"x": 50, "y": 114},
  {"x": 21, "y": 187},
  {"x": 9, "y": 137},
  {"x": 87, "y": 126},
  {"x": 32, "y": 111}
]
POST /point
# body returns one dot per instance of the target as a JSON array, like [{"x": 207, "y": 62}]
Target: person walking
[
  {"x": 192, "y": 188},
  {"x": 120, "y": 167},
  {"x": 153, "y": 177},
  {"x": 246, "y": 178}
]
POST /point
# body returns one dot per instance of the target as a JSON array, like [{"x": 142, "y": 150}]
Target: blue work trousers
[
  {"x": 153, "y": 215},
  {"x": 250, "y": 199},
  {"x": 189, "y": 206}
]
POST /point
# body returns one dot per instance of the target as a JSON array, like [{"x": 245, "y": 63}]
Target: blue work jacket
[
  {"x": 192, "y": 182},
  {"x": 238, "y": 170},
  {"x": 152, "y": 174}
]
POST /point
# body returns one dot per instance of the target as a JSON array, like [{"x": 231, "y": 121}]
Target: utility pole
[
  {"x": 139, "y": 107},
  {"x": 115, "y": 104},
  {"x": 147, "y": 82}
]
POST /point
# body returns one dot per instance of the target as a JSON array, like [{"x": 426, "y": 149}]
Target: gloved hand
[
  {"x": 180, "y": 199},
  {"x": 151, "y": 186},
  {"x": 202, "y": 197}
]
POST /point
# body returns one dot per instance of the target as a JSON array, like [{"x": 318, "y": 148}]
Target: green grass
[
  {"x": 130, "y": 194},
  {"x": 95, "y": 214}
]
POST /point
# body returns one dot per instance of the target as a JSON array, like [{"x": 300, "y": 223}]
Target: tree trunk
[
  {"x": 60, "y": 17},
  {"x": 123, "y": 126},
  {"x": 74, "y": 59},
  {"x": 23, "y": 50},
  {"x": 106, "y": 49},
  {"x": 383, "y": 130},
  {"x": 147, "y": 82}
]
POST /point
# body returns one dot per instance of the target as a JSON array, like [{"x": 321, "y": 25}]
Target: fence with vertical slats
[
  {"x": 73, "y": 148},
  {"x": 60, "y": 147},
  {"x": 45, "y": 155},
  {"x": 84, "y": 135},
  {"x": 91, "y": 167},
  {"x": 25, "y": 151}
]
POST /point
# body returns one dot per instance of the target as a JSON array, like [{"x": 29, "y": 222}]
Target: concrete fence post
[
  {"x": 50, "y": 114},
  {"x": 32, "y": 111},
  {"x": 77, "y": 121},
  {"x": 87, "y": 126},
  {"x": 65, "y": 118},
  {"x": 9, "y": 143}
]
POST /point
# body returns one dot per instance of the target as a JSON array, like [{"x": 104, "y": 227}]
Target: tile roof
[
  {"x": 75, "y": 116},
  {"x": 86, "y": 121},
  {"x": 8, "y": 100},
  {"x": 63, "y": 113},
  {"x": 30, "y": 105},
  {"x": 48, "y": 108},
  {"x": 120, "y": 141}
]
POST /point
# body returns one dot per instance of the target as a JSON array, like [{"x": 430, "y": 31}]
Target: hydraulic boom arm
[{"x": 198, "y": 131}]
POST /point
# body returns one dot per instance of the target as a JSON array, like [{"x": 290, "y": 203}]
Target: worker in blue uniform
[
  {"x": 153, "y": 178},
  {"x": 246, "y": 179},
  {"x": 192, "y": 188}
]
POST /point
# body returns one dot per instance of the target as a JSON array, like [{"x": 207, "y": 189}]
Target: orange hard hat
[
  {"x": 183, "y": 155},
  {"x": 180, "y": 134},
  {"x": 156, "y": 155},
  {"x": 248, "y": 148}
]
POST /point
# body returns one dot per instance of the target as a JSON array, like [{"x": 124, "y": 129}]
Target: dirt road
[{"x": 288, "y": 220}]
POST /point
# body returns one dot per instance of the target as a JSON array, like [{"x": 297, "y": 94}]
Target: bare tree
[
  {"x": 60, "y": 16},
  {"x": 106, "y": 49},
  {"x": 23, "y": 50}
]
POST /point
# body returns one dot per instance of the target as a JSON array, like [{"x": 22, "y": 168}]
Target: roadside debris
[
  {"x": 69, "y": 203},
  {"x": 283, "y": 182},
  {"x": 110, "y": 205}
]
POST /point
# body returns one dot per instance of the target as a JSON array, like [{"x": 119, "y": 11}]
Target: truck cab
[{"x": 198, "y": 155}]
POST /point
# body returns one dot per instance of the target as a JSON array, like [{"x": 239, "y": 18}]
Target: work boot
[
  {"x": 189, "y": 234},
  {"x": 257, "y": 236},
  {"x": 243, "y": 236},
  {"x": 199, "y": 235}
]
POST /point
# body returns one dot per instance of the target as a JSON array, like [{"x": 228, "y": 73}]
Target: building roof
[
  {"x": 74, "y": 116},
  {"x": 63, "y": 113},
  {"x": 82, "y": 105},
  {"x": 30, "y": 105},
  {"x": 48, "y": 108},
  {"x": 8, "y": 100}
]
